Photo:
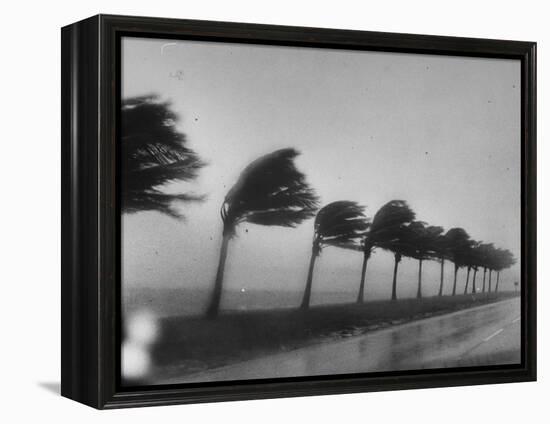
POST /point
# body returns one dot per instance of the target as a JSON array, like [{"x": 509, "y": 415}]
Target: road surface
[{"x": 484, "y": 335}]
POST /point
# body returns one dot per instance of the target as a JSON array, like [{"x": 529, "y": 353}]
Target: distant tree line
[{"x": 271, "y": 191}]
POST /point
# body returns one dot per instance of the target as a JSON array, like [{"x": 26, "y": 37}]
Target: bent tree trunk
[
  {"x": 394, "y": 284},
  {"x": 441, "y": 281},
  {"x": 454, "y": 283},
  {"x": 498, "y": 278},
  {"x": 360, "y": 296},
  {"x": 214, "y": 307},
  {"x": 490, "y": 271},
  {"x": 474, "y": 282},
  {"x": 419, "y": 291},
  {"x": 484, "y": 274},
  {"x": 307, "y": 293},
  {"x": 467, "y": 281}
]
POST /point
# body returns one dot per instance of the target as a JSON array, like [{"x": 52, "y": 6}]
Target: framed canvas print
[{"x": 253, "y": 211}]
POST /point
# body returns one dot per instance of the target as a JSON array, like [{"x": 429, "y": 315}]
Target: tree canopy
[
  {"x": 154, "y": 153},
  {"x": 270, "y": 191},
  {"x": 340, "y": 224},
  {"x": 388, "y": 227}
]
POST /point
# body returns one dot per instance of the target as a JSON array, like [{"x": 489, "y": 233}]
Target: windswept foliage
[
  {"x": 471, "y": 260},
  {"x": 422, "y": 245},
  {"x": 339, "y": 224},
  {"x": 388, "y": 224},
  {"x": 459, "y": 245},
  {"x": 396, "y": 237},
  {"x": 485, "y": 254},
  {"x": 386, "y": 229},
  {"x": 270, "y": 191},
  {"x": 154, "y": 153},
  {"x": 503, "y": 259}
]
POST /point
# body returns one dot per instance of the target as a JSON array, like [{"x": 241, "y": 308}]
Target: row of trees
[
  {"x": 394, "y": 228},
  {"x": 272, "y": 191}
]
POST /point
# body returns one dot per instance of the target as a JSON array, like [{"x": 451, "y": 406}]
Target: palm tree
[
  {"x": 441, "y": 249},
  {"x": 471, "y": 260},
  {"x": 387, "y": 222},
  {"x": 485, "y": 250},
  {"x": 476, "y": 260},
  {"x": 459, "y": 245},
  {"x": 397, "y": 239},
  {"x": 269, "y": 191},
  {"x": 491, "y": 262},
  {"x": 423, "y": 241},
  {"x": 154, "y": 153},
  {"x": 338, "y": 224},
  {"x": 505, "y": 259}
]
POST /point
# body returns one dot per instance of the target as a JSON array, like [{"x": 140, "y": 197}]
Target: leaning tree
[
  {"x": 386, "y": 228},
  {"x": 270, "y": 191},
  {"x": 505, "y": 259},
  {"x": 398, "y": 240},
  {"x": 474, "y": 261},
  {"x": 154, "y": 153},
  {"x": 441, "y": 250},
  {"x": 493, "y": 262},
  {"x": 485, "y": 257},
  {"x": 422, "y": 245},
  {"x": 339, "y": 224},
  {"x": 470, "y": 260},
  {"x": 459, "y": 243}
]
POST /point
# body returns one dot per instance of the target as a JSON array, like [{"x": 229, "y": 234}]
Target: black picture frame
[{"x": 90, "y": 210}]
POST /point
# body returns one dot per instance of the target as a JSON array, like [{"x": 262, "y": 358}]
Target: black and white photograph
[
  {"x": 298, "y": 212},
  {"x": 274, "y": 212}
]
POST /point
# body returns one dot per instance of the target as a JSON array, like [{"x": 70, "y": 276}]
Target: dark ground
[{"x": 191, "y": 344}]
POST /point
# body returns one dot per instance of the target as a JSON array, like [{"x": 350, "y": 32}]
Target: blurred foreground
[{"x": 376, "y": 336}]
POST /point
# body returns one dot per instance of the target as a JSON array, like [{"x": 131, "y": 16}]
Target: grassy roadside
[{"x": 190, "y": 344}]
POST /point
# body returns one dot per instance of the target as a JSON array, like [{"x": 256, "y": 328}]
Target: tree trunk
[
  {"x": 498, "y": 278},
  {"x": 467, "y": 281},
  {"x": 441, "y": 281},
  {"x": 419, "y": 291},
  {"x": 490, "y": 272},
  {"x": 307, "y": 293},
  {"x": 214, "y": 307},
  {"x": 394, "y": 284},
  {"x": 484, "y": 273},
  {"x": 474, "y": 282},
  {"x": 363, "y": 275},
  {"x": 454, "y": 283}
]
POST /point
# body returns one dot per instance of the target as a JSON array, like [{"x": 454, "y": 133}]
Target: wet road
[{"x": 485, "y": 335}]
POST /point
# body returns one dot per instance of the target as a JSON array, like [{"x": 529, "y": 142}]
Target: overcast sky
[{"x": 441, "y": 132}]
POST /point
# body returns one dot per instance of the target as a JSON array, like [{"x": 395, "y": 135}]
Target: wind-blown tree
[
  {"x": 458, "y": 247},
  {"x": 475, "y": 262},
  {"x": 386, "y": 227},
  {"x": 491, "y": 264},
  {"x": 423, "y": 246},
  {"x": 270, "y": 191},
  {"x": 154, "y": 154},
  {"x": 339, "y": 224},
  {"x": 442, "y": 252},
  {"x": 471, "y": 263},
  {"x": 485, "y": 251},
  {"x": 505, "y": 259},
  {"x": 398, "y": 239}
]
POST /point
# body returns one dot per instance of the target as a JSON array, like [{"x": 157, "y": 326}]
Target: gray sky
[{"x": 441, "y": 132}]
